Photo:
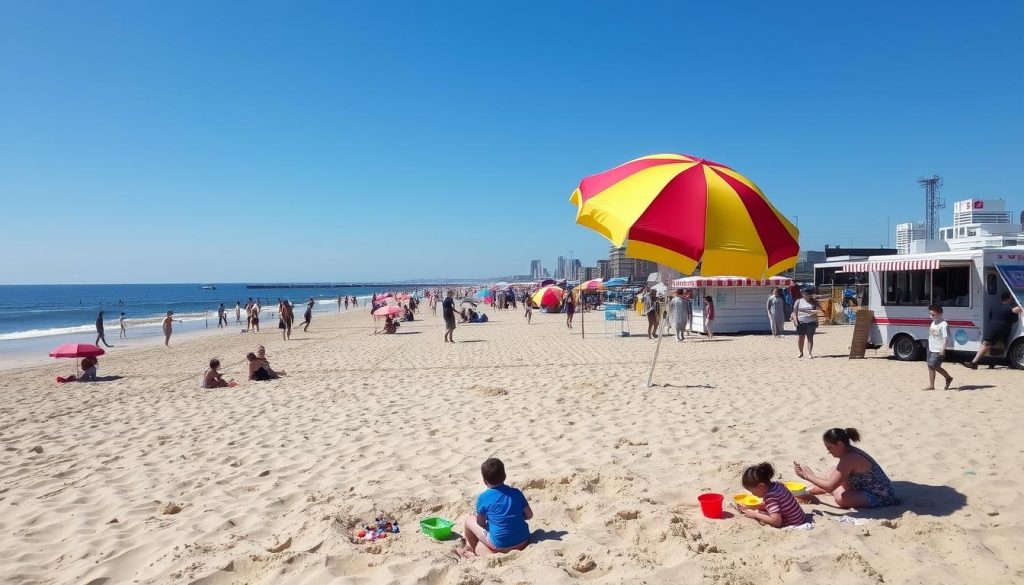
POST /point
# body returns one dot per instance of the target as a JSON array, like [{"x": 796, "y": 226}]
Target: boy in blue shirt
[{"x": 501, "y": 514}]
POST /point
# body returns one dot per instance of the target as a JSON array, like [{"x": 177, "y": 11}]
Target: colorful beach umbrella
[
  {"x": 548, "y": 297},
  {"x": 681, "y": 210},
  {"x": 593, "y": 285},
  {"x": 77, "y": 350}
]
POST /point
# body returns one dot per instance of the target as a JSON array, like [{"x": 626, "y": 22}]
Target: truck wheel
[
  {"x": 905, "y": 348},
  {"x": 1016, "y": 354}
]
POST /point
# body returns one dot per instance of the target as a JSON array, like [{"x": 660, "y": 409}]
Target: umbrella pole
[
  {"x": 583, "y": 310},
  {"x": 654, "y": 360}
]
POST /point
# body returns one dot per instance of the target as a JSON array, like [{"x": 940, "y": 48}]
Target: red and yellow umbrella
[
  {"x": 593, "y": 285},
  {"x": 681, "y": 210},
  {"x": 548, "y": 297}
]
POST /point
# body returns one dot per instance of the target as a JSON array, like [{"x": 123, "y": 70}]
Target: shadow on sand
[{"x": 921, "y": 499}]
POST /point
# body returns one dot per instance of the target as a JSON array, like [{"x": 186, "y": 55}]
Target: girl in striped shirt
[{"x": 779, "y": 507}]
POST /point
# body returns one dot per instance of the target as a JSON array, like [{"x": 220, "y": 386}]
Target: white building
[
  {"x": 971, "y": 211},
  {"x": 908, "y": 233},
  {"x": 981, "y": 223}
]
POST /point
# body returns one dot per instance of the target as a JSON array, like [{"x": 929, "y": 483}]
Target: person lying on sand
[
  {"x": 779, "y": 507},
  {"x": 499, "y": 525},
  {"x": 857, "y": 481},
  {"x": 213, "y": 379}
]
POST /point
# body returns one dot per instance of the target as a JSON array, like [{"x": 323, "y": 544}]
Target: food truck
[{"x": 967, "y": 284}]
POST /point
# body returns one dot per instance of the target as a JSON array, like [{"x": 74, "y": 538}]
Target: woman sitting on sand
[
  {"x": 857, "y": 481},
  {"x": 89, "y": 365},
  {"x": 259, "y": 367}
]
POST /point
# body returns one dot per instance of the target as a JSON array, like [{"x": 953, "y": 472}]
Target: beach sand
[{"x": 150, "y": 479}]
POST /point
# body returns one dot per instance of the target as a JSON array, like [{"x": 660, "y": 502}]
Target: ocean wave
[{"x": 109, "y": 325}]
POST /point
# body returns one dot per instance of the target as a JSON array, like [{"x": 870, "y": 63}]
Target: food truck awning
[
  {"x": 696, "y": 281},
  {"x": 891, "y": 265}
]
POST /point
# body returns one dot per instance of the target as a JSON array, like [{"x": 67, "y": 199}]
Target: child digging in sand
[
  {"x": 780, "y": 507},
  {"x": 499, "y": 525}
]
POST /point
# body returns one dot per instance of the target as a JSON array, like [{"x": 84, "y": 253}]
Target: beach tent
[{"x": 740, "y": 303}]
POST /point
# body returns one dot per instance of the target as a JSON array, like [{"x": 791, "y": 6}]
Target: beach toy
[
  {"x": 711, "y": 505},
  {"x": 795, "y": 487},
  {"x": 438, "y": 528},
  {"x": 361, "y": 533},
  {"x": 747, "y": 500}
]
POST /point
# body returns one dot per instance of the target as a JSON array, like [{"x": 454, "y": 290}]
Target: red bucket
[{"x": 711, "y": 504}]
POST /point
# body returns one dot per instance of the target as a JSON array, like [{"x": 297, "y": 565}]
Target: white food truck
[{"x": 967, "y": 285}]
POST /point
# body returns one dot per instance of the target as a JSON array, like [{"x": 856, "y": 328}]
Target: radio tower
[{"x": 932, "y": 204}]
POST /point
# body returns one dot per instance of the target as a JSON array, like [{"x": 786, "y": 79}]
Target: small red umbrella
[{"x": 77, "y": 350}]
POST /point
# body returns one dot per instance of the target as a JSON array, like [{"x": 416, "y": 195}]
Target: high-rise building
[
  {"x": 603, "y": 269},
  {"x": 633, "y": 268},
  {"x": 561, "y": 265},
  {"x": 972, "y": 211},
  {"x": 908, "y": 233},
  {"x": 536, "y": 271}
]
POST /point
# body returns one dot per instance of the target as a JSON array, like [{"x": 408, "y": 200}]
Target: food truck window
[
  {"x": 990, "y": 283},
  {"x": 951, "y": 287},
  {"x": 908, "y": 287}
]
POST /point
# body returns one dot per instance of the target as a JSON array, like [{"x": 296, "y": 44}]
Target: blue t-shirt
[{"x": 503, "y": 506}]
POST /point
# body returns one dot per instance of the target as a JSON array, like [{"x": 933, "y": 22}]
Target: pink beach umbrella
[
  {"x": 388, "y": 310},
  {"x": 77, "y": 350}
]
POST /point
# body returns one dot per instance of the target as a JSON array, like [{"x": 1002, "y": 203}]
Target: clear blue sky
[{"x": 253, "y": 141}]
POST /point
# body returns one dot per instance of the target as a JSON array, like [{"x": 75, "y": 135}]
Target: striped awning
[
  {"x": 891, "y": 265},
  {"x": 696, "y": 281}
]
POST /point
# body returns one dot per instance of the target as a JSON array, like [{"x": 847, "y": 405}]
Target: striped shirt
[{"x": 780, "y": 500}]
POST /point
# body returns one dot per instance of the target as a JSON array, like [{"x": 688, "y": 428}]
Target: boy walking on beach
[
  {"x": 938, "y": 338},
  {"x": 499, "y": 525}
]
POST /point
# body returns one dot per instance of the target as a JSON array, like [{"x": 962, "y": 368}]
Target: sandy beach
[{"x": 150, "y": 479}]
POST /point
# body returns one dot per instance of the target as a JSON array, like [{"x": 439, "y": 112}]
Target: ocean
[{"x": 34, "y": 316}]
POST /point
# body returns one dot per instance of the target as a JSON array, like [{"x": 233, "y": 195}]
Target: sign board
[
  {"x": 1013, "y": 276},
  {"x": 861, "y": 331}
]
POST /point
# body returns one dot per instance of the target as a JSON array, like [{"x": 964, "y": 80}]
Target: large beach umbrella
[
  {"x": 617, "y": 281},
  {"x": 681, "y": 210},
  {"x": 548, "y": 297}
]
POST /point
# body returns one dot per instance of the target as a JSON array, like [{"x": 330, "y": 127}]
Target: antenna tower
[{"x": 932, "y": 204}]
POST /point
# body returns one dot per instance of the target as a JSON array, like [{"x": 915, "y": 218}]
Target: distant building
[
  {"x": 632, "y": 268},
  {"x": 561, "y": 265},
  {"x": 975, "y": 211},
  {"x": 536, "y": 270},
  {"x": 981, "y": 223},
  {"x": 838, "y": 251},
  {"x": 603, "y": 269},
  {"x": 908, "y": 233}
]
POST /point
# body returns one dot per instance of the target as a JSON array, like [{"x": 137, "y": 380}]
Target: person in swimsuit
[
  {"x": 857, "y": 481},
  {"x": 167, "y": 327},
  {"x": 259, "y": 366},
  {"x": 124, "y": 329},
  {"x": 213, "y": 378},
  {"x": 570, "y": 310},
  {"x": 1000, "y": 324}
]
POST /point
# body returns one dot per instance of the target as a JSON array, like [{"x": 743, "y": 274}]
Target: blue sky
[{"x": 219, "y": 141}]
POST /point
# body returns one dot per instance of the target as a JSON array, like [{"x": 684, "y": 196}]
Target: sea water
[{"x": 37, "y": 316}]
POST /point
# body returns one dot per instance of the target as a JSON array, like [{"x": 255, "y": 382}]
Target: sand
[{"x": 150, "y": 479}]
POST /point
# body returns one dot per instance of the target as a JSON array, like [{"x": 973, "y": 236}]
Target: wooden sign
[{"x": 861, "y": 330}]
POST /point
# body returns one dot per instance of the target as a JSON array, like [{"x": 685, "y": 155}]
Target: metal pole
[
  {"x": 657, "y": 347},
  {"x": 583, "y": 309}
]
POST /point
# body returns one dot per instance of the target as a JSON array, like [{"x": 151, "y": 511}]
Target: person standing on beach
[
  {"x": 238, "y": 312},
  {"x": 166, "y": 325},
  {"x": 308, "y": 315},
  {"x": 448, "y": 312},
  {"x": 570, "y": 310},
  {"x": 339, "y": 303},
  {"x": 1000, "y": 323},
  {"x": 709, "y": 316},
  {"x": 124, "y": 330},
  {"x": 222, "y": 316},
  {"x": 678, "y": 309},
  {"x": 284, "y": 308},
  {"x": 805, "y": 317},
  {"x": 99, "y": 331},
  {"x": 776, "y": 312},
  {"x": 651, "y": 309}
]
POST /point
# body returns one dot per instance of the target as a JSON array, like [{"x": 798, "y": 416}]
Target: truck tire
[
  {"x": 905, "y": 348},
  {"x": 1016, "y": 354}
]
